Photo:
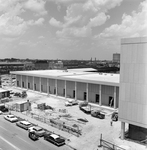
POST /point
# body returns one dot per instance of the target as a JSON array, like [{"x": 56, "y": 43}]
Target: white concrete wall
[
  {"x": 133, "y": 82},
  {"x": 19, "y": 80},
  {"x": 30, "y": 80},
  {"x": 44, "y": 85},
  {"x": 61, "y": 87},
  {"x": 24, "y": 81},
  {"x": 52, "y": 84},
  {"x": 81, "y": 88},
  {"x": 70, "y": 87},
  {"x": 37, "y": 82},
  {"x": 93, "y": 89}
]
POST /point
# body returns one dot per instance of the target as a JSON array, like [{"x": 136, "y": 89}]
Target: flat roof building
[{"x": 100, "y": 88}]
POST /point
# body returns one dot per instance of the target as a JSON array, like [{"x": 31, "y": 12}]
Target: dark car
[
  {"x": 3, "y": 108},
  {"x": 114, "y": 116},
  {"x": 33, "y": 136},
  {"x": 24, "y": 124},
  {"x": 97, "y": 114},
  {"x": 53, "y": 138}
]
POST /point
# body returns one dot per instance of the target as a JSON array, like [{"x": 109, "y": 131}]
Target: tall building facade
[{"x": 133, "y": 87}]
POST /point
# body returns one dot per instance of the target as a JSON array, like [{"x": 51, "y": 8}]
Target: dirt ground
[{"x": 91, "y": 131}]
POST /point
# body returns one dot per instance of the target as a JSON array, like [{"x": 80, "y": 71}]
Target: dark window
[
  {"x": 54, "y": 90},
  {"x": 29, "y": 85},
  {"x": 63, "y": 92},
  {"x": 85, "y": 95},
  {"x": 17, "y": 83},
  {"x": 74, "y": 93},
  {"x": 35, "y": 87},
  {"x": 23, "y": 84},
  {"x": 97, "y": 98}
]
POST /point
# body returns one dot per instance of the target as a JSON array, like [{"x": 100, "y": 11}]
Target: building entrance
[
  {"x": 85, "y": 95},
  {"x": 97, "y": 98}
]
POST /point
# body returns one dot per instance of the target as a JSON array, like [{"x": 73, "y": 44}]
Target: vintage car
[
  {"x": 11, "y": 118},
  {"x": 55, "y": 139},
  {"x": 97, "y": 114},
  {"x": 37, "y": 130},
  {"x": 71, "y": 102},
  {"x": 33, "y": 136},
  {"x": 24, "y": 124}
]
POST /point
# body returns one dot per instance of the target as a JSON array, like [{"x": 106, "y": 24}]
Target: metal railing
[{"x": 108, "y": 145}]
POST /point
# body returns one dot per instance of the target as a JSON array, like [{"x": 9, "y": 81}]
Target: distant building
[
  {"x": 29, "y": 66},
  {"x": 116, "y": 57},
  {"x": 56, "y": 65},
  {"x": 41, "y": 65},
  {"x": 5, "y": 67}
]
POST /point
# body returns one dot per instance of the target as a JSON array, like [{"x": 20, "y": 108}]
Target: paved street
[{"x": 15, "y": 138}]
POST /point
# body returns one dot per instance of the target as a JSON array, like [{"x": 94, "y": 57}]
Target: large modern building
[
  {"x": 133, "y": 88},
  {"x": 127, "y": 91},
  {"x": 100, "y": 88}
]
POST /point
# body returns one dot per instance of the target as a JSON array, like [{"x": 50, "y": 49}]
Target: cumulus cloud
[
  {"x": 12, "y": 25},
  {"x": 55, "y": 23},
  {"x": 82, "y": 15},
  {"x": 75, "y": 32},
  {"x": 131, "y": 25},
  {"x": 37, "y": 22},
  {"x": 37, "y": 6}
]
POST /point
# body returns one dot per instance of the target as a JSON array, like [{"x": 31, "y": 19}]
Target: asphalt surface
[{"x": 14, "y": 138}]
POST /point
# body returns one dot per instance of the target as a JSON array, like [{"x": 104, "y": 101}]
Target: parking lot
[{"x": 90, "y": 130}]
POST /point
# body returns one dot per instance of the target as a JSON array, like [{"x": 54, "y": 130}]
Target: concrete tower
[{"x": 133, "y": 87}]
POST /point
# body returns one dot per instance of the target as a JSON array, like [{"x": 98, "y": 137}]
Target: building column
[
  {"x": 65, "y": 89},
  {"x": 27, "y": 82},
  {"x": 56, "y": 87},
  {"x": 47, "y": 86},
  {"x": 100, "y": 94},
  {"x": 16, "y": 80},
  {"x": 75, "y": 90},
  {"x": 40, "y": 84},
  {"x": 21, "y": 81},
  {"x": 87, "y": 98},
  {"x": 33, "y": 84},
  {"x": 122, "y": 130},
  {"x": 114, "y": 97}
]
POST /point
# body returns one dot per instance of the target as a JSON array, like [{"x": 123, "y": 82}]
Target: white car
[
  {"x": 1, "y": 112},
  {"x": 71, "y": 102},
  {"x": 11, "y": 118}
]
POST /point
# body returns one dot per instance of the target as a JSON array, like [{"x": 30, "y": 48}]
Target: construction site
[{"x": 82, "y": 130}]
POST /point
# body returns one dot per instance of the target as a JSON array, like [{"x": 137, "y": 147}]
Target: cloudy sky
[{"x": 68, "y": 29}]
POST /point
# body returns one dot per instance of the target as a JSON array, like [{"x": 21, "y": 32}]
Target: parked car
[
  {"x": 97, "y": 114},
  {"x": 24, "y": 124},
  {"x": 114, "y": 116},
  {"x": 1, "y": 112},
  {"x": 71, "y": 102},
  {"x": 11, "y": 118},
  {"x": 3, "y": 108},
  {"x": 55, "y": 139},
  {"x": 32, "y": 135},
  {"x": 37, "y": 130},
  {"x": 83, "y": 104}
]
